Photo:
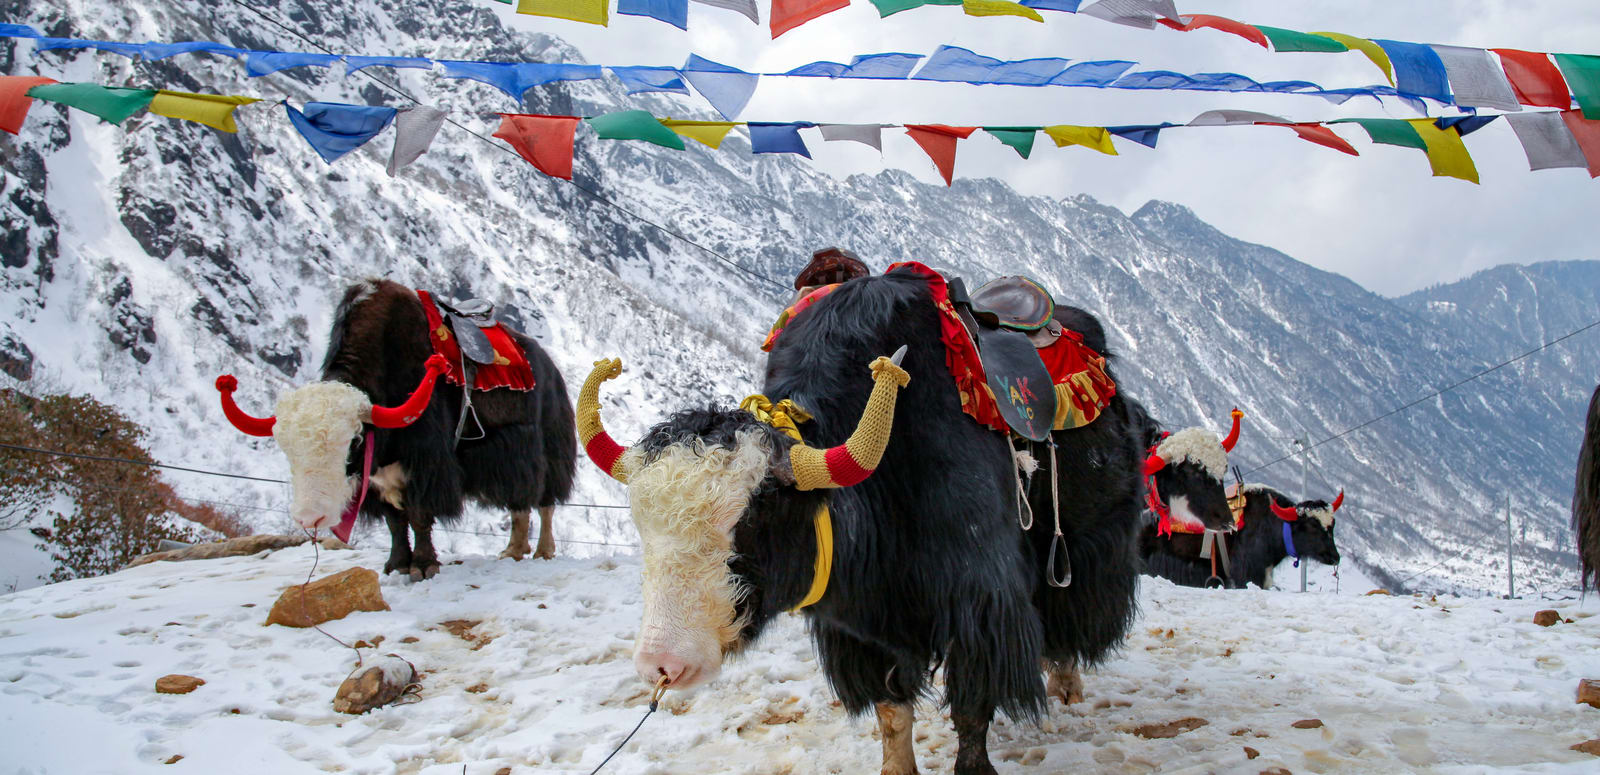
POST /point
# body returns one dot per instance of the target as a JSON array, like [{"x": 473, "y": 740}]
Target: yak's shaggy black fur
[
  {"x": 1586, "y": 495},
  {"x": 525, "y": 460},
  {"x": 1253, "y": 551}
]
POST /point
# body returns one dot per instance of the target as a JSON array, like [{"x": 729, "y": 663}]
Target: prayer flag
[
  {"x": 1143, "y": 134},
  {"x": 1446, "y": 153},
  {"x": 586, "y": 11},
  {"x": 777, "y": 138},
  {"x": 414, "y": 130},
  {"x": 1547, "y": 141},
  {"x": 746, "y": 7},
  {"x": 1417, "y": 69},
  {"x": 514, "y": 78},
  {"x": 1475, "y": 81},
  {"x": 154, "y": 51},
  {"x": 213, "y": 110},
  {"x": 635, "y": 125},
  {"x": 1392, "y": 131},
  {"x": 1188, "y": 23},
  {"x": 673, "y": 12},
  {"x": 1020, "y": 138},
  {"x": 650, "y": 79},
  {"x": 890, "y": 7},
  {"x": 953, "y": 63},
  {"x": 728, "y": 89},
  {"x": 259, "y": 63},
  {"x": 1465, "y": 125},
  {"x": 710, "y": 133},
  {"x": 14, "y": 99},
  {"x": 1087, "y": 136},
  {"x": 1583, "y": 76},
  {"x": 1000, "y": 8},
  {"x": 334, "y": 129},
  {"x": 789, "y": 14},
  {"x": 1321, "y": 135},
  {"x": 939, "y": 142},
  {"x": 355, "y": 64},
  {"x": 1066, "y": 6},
  {"x": 1534, "y": 78},
  {"x": 17, "y": 31},
  {"x": 113, "y": 104},
  {"x": 1372, "y": 50},
  {"x": 1587, "y": 134},
  {"x": 866, "y": 134},
  {"x": 890, "y": 66},
  {"x": 1289, "y": 40},
  {"x": 1235, "y": 118},
  {"x": 1133, "y": 13},
  {"x": 544, "y": 141}
]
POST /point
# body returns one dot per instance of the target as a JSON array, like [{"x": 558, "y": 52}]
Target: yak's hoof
[
  {"x": 424, "y": 572},
  {"x": 397, "y": 565},
  {"x": 546, "y": 551},
  {"x": 889, "y": 769},
  {"x": 515, "y": 552}
]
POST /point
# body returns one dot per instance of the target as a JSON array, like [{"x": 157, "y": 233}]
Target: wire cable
[{"x": 131, "y": 461}]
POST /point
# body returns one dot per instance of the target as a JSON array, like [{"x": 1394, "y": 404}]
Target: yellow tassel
[{"x": 823, "y": 525}]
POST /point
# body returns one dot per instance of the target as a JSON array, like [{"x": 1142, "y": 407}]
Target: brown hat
[{"x": 831, "y": 265}]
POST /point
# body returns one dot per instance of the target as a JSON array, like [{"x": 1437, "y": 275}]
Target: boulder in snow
[
  {"x": 1546, "y": 618},
  {"x": 1591, "y": 747},
  {"x": 328, "y": 598},
  {"x": 1169, "y": 729},
  {"x": 1307, "y": 723},
  {"x": 383, "y": 682},
  {"x": 1589, "y": 692},
  {"x": 233, "y": 547},
  {"x": 178, "y": 684}
]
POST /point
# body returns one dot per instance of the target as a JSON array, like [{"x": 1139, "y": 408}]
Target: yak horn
[
  {"x": 1337, "y": 502},
  {"x": 255, "y": 426},
  {"x": 854, "y": 460},
  {"x": 1285, "y": 513},
  {"x": 1154, "y": 463},
  {"x": 1233, "y": 435},
  {"x": 597, "y": 444},
  {"x": 408, "y": 412}
]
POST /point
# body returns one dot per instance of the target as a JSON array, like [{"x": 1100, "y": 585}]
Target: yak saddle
[{"x": 1009, "y": 319}]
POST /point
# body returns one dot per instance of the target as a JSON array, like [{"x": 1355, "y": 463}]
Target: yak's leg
[
  {"x": 424, "y": 561},
  {"x": 1065, "y": 682},
  {"x": 399, "y": 543},
  {"x": 547, "y": 536},
  {"x": 518, "y": 548},
  {"x": 972, "y": 735},
  {"x": 894, "y": 726}
]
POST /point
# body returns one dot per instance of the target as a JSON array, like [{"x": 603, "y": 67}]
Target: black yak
[
  {"x": 927, "y": 565},
  {"x": 1586, "y": 495},
  {"x": 377, "y": 351},
  {"x": 1098, "y": 483},
  {"x": 1275, "y": 528}
]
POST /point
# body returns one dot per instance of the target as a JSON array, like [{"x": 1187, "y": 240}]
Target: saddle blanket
[{"x": 510, "y": 368}]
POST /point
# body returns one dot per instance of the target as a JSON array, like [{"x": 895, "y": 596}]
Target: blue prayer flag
[
  {"x": 129, "y": 50},
  {"x": 880, "y": 66},
  {"x": 650, "y": 79},
  {"x": 1418, "y": 70},
  {"x": 17, "y": 31},
  {"x": 673, "y": 12},
  {"x": 154, "y": 51},
  {"x": 778, "y": 138},
  {"x": 1466, "y": 125},
  {"x": 953, "y": 63},
  {"x": 1102, "y": 73},
  {"x": 1143, "y": 134},
  {"x": 334, "y": 129},
  {"x": 356, "y": 63},
  {"x": 514, "y": 78},
  {"x": 259, "y": 63},
  {"x": 1068, "y": 6},
  {"x": 728, "y": 89}
]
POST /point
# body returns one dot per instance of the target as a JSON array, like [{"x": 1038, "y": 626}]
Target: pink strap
[{"x": 347, "y": 521}]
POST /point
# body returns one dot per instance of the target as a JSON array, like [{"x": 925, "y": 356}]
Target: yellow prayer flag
[
  {"x": 999, "y": 8},
  {"x": 213, "y": 110},
  {"x": 1087, "y": 136},
  {"x": 1373, "y": 51},
  {"x": 709, "y": 133},
  {"x": 587, "y": 11},
  {"x": 1446, "y": 153}
]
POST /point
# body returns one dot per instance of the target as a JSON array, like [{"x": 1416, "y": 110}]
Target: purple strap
[
  {"x": 1288, "y": 545},
  {"x": 347, "y": 521}
]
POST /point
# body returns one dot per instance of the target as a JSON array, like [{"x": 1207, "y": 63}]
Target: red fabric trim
[
  {"x": 516, "y": 373},
  {"x": 960, "y": 354},
  {"x": 1196, "y": 21},
  {"x": 843, "y": 469},
  {"x": 788, "y": 315},
  {"x": 1536, "y": 80},
  {"x": 604, "y": 452},
  {"x": 1069, "y": 357}
]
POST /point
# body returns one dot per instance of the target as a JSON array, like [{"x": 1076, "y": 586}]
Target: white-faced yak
[
  {"x": 1586, "y": 495},
  {"x": 1095, "y": 486},
  {"x": 1275, "y": 528},
  {"x": 918, "y": 564},
  {"x": 370, "y": 427}
]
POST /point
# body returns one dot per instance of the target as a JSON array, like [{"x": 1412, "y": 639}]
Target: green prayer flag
[
  {"x": 112, "y": 103},
  {"x": 635, "y": 125},
  {"x": 888, "y": 7},
  {"x": 1018, "y": 137},
  {"x": 1290, "y": 40},
  {"x": 1583, "y": 75},
  {"x": 1390, "y": 131}
]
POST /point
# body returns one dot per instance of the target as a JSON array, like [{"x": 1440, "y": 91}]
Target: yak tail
[{"x": 1586, "y": 496}]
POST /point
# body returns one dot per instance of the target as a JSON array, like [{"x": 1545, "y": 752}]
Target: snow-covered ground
[{"x": 1401, "y": 684}]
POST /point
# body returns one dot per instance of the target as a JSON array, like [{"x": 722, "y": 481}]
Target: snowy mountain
[{"x": 142, "y": 261}]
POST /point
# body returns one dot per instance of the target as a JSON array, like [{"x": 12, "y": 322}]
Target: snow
[{"x": 1401, "y": 683}]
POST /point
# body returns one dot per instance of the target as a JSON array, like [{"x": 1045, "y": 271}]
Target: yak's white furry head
[
  {"x": 685, "y": 502},
  {"x": 1198, "y": 446},
  {"x": 316, "y": 424},
  {"x": 1323, "y": 515}
]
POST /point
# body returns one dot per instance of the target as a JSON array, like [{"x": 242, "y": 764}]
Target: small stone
[
  {"x": 1277, "y": 771},
  {"x": 1169, "y": 729},
  {"x": 178, "y": 684},
  {"x": 361, "y": 644},
  {"x": 542, "y": 605},
  {"x": 375, "y": 687},
  {"x": 1250, "y": 753},
  {"x": 1307, "y": 723},
  {"x": 410, "y": 639},
  {"x": 177, "y": 757},
  {"x": 328, "y": 598},
  {"x": 1589, "y": 692},
  {"x": 478, "y": 688},
  {"x": 1546, "y": 618},
  {"x": 1379, "y": 591},
  {"x": 1591, "y": 747},
  {"x": 503, "y": 771}
]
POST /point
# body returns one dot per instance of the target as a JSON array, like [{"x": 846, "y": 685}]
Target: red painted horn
[
  {"x": 408, "y": 412},
  {"x": 1233, "y": 435},
  {"x": 1154, "y": 463},
  {"x": 255, "y": 426},
  {"x": 1337, "y": 501},
  {"x": 1285, "y": 513}
]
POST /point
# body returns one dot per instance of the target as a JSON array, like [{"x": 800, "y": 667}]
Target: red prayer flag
[
  {"x": 545, "y": 141},
  {"x": 789, "y": 14},
  {"x": 1196, "y": 21},
  {"x": 1534, "y": 78},
  {"x": 1321, "y": 135},
  {"x": 1587, "y": 133},
  {"x": 939, "y": 141},
  {"x": 14, "y": 99}
]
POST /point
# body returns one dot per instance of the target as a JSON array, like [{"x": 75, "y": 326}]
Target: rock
[
  {"x": 376, "y": 686},
  {"x": 1169, "y": 729},
  {"x": 1277, "y": 771},
  {"x": 503, "y": 771},
  {"x": 1250, "y": 753},
  {"x": 177, "y": 757},
  {"x": 1591, "y": 747},
  {"x": 1379, "y": 591},
  {"x": 232, "y": 547},
  {"x": 328, "y": 598},
  {"x": 1589, "y": 692},
  {"x": 478, "y": 688},
  {"x": 410, "y": 639},
  {"x": 1307, "y": 723},
  {"x": 1546, "y": 618},
  {"x": 178, "y": 684}
]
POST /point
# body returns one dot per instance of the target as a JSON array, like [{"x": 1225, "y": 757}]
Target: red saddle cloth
[{"x": 510, "y": 368}]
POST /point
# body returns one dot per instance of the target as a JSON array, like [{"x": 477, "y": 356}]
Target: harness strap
[
  {"x": 347, "y": 520},
  {"x": 786, "y": 415},
  {"x": 1061, "y": 578},
  {"x": 1288, "y": 544}
]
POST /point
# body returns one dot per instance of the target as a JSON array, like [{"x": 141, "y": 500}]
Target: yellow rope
[{"x": 786, "y": 416}]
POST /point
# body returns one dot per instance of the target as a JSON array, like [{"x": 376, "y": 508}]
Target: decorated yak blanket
[{"x": 510, "y": 368}]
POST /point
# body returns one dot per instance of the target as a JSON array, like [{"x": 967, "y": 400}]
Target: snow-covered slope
[
  {"x": 142, "y": 261},
  {"x": 546, "y": 684}
]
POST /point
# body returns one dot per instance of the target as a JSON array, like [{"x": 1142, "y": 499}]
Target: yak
[
  {"x": 337, "y": 430},
  {"x": 1275, "y": 528},
  {"x": 1586, "y": 496},
  {"x": 900, "y": 549},
  {"x": 1101, "y": 467}
]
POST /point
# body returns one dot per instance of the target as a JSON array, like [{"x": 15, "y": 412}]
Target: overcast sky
[{"x": 1380, "y": 218}]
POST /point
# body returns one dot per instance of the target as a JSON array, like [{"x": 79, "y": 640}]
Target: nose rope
[{"x": 655, "y": 701}]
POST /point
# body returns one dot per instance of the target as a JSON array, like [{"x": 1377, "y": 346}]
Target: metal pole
[
  {"x": 1305, "y": 487},
  {"x": 1511, "y": 571}
]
